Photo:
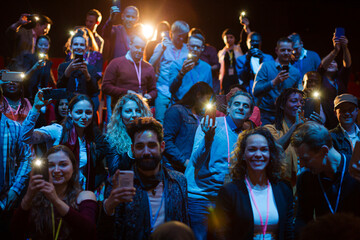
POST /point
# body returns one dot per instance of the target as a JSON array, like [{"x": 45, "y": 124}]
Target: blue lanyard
[
  {"x": 339, "y": 192},
  {"x": 153, "y": 219}
]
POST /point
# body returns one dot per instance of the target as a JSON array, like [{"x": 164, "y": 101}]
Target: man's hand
[
  {"x": 24, "y": 19},
  {"x": 337, "y": 44},
  {"x": 208, "y": 127},
  {"x": 187, "y": 66},
  {"x": 343, "y": 42},
  {"x": 255, "y": 52},
  {"x": 282, "y": 76},
  {"x": 166, "y": 42},
  {"x": 114, "y": 11},
  {"x": 39, "y": 101},
  {"x": 118, "y": 194}
]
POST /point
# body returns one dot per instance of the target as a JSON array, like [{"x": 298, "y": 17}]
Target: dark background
[{"x": 315, "y": 20}]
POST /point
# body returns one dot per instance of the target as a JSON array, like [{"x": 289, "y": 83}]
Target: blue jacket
[{"x": 180, "y": 126}]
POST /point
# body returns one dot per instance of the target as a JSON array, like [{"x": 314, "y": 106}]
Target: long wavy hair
[
  {"x": 68, "y": 123},
  {"x": 41, "y": 206},
  {"x": 275, "y": 167},
  {"x": 280, "y": 104},
  {"x": 116, "y": 135}
]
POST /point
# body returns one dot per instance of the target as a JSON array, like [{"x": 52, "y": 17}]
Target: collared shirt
[
  {"x": 232, "y": 125},
  {"x": 15, "y": 155},
  {"x": 303, "y": 54},
  {"x": 353, "y": 137},
  {"x": 171, "y": 54}
]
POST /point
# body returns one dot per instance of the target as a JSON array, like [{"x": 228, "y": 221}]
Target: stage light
[{"x": 148, "y": 31}]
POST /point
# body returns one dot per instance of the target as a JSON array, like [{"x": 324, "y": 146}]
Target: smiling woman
[
  {"x": 257, "y": 204},
  {"x": 77, "y": 131},
  {"x": 58, "y": 202}
]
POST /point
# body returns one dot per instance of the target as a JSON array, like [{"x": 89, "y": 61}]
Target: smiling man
[
  {"x": 347, "y": 133},
  {"x": 326, "y": 187},
  {"x": 209, "y": 163},
  {"x": 273, "y": 77},
  {"x": 130, "y": 73},
  {"x": 160, "y": 193}
]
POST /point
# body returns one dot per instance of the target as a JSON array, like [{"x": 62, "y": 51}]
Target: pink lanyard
[
  {"x": 228, "y": 142},
  {"x": 257, "y": 208},
  {"x": 138, "y": 72}
]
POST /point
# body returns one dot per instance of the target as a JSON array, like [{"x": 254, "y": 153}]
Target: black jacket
[{"x": 233, "y": 218}]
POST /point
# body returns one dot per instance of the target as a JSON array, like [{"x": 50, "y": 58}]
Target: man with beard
[
  {"x": 130, "y": 73},
  {"x": 159, "y": 195}
]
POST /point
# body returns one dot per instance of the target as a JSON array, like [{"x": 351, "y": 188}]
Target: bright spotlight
[{"x": 148, "y": 31}]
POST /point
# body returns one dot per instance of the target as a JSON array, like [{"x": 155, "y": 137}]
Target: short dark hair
[
  {"x": 198, "y": 34},
  {"x": 190, "y": 98},
  {"x": 242, "y": 93},
  {"x": 294, "y": 37},
  {"x": 254, "y": 34},
  {"x": 96, "y": 13},
  {"x": 142, "y": 124},
  {"x": 313, "y": 134},
  {"x": 284, "y": 40}
]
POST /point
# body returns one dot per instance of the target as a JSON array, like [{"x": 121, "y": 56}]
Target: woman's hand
[
  {"x": 49, "y": 192},
  {"x": 84, "y": 70},
  {"x": 75, "y": 64},
  {"x": 35, "y": 184}
]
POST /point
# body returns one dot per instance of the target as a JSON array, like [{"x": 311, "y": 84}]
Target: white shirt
[
  {"x": 155, "y": 201},
  {"x": 261, "y": 201}
]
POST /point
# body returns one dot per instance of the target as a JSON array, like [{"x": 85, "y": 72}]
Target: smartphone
[
  {"x": 55, "y": 94},
  {"x": 355, "y": 158},
  {"x": 210, "y": 111},
  {"x": 285, "y": 67},
  {"x": 79, "y": 56},
  {"x": 41, "y": 167},
  {"x": 165, "y": 34},
  {"x": 339, "y": 32},
  {"x": 12, "y": 76},
  {"x": 126, "y": 179}
]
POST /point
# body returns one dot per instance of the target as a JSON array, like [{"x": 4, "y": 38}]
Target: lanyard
[
  {"x": 228, "y": 142},
  {"x": 264, "y": 227},
  {"x": 138, "y": 73},
  {"x": 153, "y": 219},
  {"x": 55, "y": 236},
  {"x": 333, "y": 211}
]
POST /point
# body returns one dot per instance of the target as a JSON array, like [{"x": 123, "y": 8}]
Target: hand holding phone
[
  {"x": 41, "y": 167},
  {"x": 339, "y": 32},
  {"x": 55, "y": 94}
]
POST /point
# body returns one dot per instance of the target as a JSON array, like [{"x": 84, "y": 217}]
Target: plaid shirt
[{"x": 16, "y": 157}]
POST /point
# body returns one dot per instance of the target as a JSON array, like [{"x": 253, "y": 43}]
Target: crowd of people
[{"x": 174, "y": 140}]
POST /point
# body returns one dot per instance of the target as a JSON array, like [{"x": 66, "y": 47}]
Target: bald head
[{"x": 130, "y": 17}]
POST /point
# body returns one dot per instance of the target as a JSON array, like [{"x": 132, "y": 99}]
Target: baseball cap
[{"x": 343, "y": 98}]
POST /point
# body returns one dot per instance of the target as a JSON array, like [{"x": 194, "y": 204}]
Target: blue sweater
[
  {"x": 310, "y": 62},
  {"x": 209, "y": 162}
]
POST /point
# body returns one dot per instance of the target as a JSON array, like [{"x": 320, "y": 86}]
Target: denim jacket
[
  {"x": 180, "y": 126},
  {"x": 341, "y": 142}
]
